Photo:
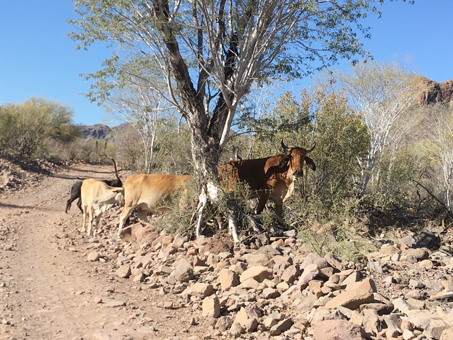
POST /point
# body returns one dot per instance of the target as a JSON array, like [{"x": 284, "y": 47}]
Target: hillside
[
  {"x": 437, "y": 92},
  {"x": 101, "y": 131},
  {"x": 57, "y": 283}
]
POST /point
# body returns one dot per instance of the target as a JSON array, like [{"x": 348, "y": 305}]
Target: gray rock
[
  {"x": 200, "y": 289},
  {"x": 427, "y": 240},
  {"x": 290, "y": 233},
  {"x": 415, "y": 284},
  {"x": 402, "y": 305},
  {"x": 272, "y": 320},
  {"x": 269, "y": 250},
  {"x": 257, "y": 259},
  {"x": 310, "y": 272},
  {"x": 183, "y": 271},
  {"x": 223, "y": 323},
  {"x": 280, "y": 327},
  {"x": 236, "y": 330},
  {"x": 408, "y": 239},
  {"x": 290, "y": 274},
  {"x": 258, "y": 273},
  {"x": 313, "y": 258},
  {"x": 270, "y": 293},
  {"x": 393, "y": 321},
  {"x": 418, "y": 253},
  {"x": 435, "y": 328},
  {"x": 124, "y": 271}
]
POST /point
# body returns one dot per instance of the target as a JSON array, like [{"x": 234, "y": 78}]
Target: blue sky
[{"x": 38, "y": 59}]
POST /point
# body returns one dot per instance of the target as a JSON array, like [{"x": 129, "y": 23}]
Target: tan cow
[
  {"x": 97, "y": 197},
  {"x": 144, "y": 192}
]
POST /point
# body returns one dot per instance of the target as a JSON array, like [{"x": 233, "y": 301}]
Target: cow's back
[
  {"x": 90, "y": 189},
  {"x": 94, "y": 191},
  {"x": 151, "y": 188},
  {"x": 257, "y": 173}
]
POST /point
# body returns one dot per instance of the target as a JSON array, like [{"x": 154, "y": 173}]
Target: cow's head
[{"x": 295, "y": 157}]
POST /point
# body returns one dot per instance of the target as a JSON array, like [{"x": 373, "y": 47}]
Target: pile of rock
[
  {"x": 22, "y": 173},
  {"x": 278, "y": 292}
]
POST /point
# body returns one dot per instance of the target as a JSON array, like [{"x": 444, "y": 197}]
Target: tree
[
  {"x": 27, "y": 126},
  {"x": 341, "y": 136},
  {"x": 324, "y": 117},
  {"x": 142, "y": 108},
  {"x": 211, "y": 52},
  {"x": 441, "y": 153},
  {"x": 381, "y": 94},
  {"x": 288, "y": 120}
]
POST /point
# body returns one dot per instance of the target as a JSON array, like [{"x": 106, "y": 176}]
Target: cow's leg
[
  {"x": 79, "y": 204},
  {"x": 96, "y": 223},
  {"x": 262, "y": 200},
  {"x": 123, "y": 217},
  {"x": 68, "y": 205},
  {"x": 279, "y": 208},
  {"x": 90, "y": 220},
  {"x": 84, "y": 219}
]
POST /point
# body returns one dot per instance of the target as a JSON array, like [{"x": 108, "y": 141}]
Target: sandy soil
[{"x": 48, "y": 288}]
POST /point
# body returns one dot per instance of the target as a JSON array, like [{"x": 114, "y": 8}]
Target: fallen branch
[{"x": 449, "y": 213}]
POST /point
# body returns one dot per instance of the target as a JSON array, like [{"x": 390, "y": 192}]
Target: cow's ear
[
  {"x": 284, "y": 161},
  {"x": 310, "y": 163}
]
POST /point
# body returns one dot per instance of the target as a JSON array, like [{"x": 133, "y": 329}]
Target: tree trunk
[
  {"x": 206, "y": 130},
  {"x": 205, "y": 155}
]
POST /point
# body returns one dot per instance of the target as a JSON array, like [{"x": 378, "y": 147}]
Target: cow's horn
[
  {"x": 311, "y": 149},
  {"x": 285, "y": 148}
]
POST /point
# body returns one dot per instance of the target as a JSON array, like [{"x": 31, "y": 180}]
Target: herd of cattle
[{"x": 271, "y": 178}]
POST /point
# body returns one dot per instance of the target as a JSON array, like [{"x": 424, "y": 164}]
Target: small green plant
[
  {"x": 176, "y": 212},
  {"x": 267, "y": 220}
]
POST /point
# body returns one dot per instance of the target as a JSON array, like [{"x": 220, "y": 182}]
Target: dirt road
[{"x": 48, "y": 288}]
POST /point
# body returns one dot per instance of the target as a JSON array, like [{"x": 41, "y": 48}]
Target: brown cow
[
  {"x": 271, "y": 178},
  {"x": 145, "y": 192}
]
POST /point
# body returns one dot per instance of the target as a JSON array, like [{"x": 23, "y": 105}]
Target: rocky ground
[{"x": 57, "y": 283}]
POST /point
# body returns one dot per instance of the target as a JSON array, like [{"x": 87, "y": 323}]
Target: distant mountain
[
  {"x": 101, "y": 131},
  {"x": 97, "y": 131}
]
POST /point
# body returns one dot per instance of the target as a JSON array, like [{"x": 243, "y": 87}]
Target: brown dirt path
[{"x": 48, "y": 289}]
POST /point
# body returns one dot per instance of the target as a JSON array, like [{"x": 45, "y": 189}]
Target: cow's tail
[
  {"x": 114, "y": 165},
  {"x": 116, "y": 169}
]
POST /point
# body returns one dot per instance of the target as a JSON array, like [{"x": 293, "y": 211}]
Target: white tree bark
[
  {"x": 141, "y": 107},
  {"x": 381, "y": 95},
  {"x": 442, "y": 148}
]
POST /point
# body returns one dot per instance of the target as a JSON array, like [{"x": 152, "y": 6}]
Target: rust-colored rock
[{"x": 436, "y": 92}]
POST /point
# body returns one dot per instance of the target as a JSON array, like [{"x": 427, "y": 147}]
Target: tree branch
[{"x": 435, "y": 197}]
